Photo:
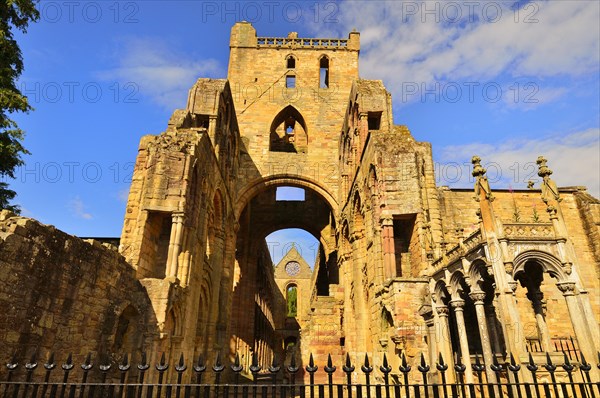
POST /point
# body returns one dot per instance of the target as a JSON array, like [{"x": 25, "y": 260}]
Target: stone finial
[
  {"x": 292, "y": 35},
  {"x": 549, "y": 188},
  {"x": 543, "y": 170},
  {"x": 478, "y": 169},
  {"x": 482, "y": 182}
]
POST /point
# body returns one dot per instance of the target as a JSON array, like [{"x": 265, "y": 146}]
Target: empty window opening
[
  {"x": 374, "y": 120},
  {"x": 289, "y": 194},
  {"x": 290, "y": 81},
  {"x": 155, "y": 245},
  {"x": 291, "y": 62},
  {"x": 288, "y": 131},
  {"x": 403, "y": 232},
  {"x": 292, "y": 301},
  {"x": 127, "y": 336},
  {"x": 324, "y": 72}
]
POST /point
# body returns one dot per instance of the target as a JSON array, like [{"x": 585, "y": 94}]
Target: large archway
[{"x": 259, "y": 322}]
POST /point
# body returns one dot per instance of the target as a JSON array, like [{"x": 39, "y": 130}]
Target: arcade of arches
[{"x": 404, "y": 266}]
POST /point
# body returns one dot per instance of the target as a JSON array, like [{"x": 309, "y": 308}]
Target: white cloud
[
  {"x": 574, "y": 158},
  {"x": 77, "y": 208},
  {"x": 160, "y": 71},
  {"x": 417, "y": 41}
]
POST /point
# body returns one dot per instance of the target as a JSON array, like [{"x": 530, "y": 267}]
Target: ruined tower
[{"x": 404, "y": 268}]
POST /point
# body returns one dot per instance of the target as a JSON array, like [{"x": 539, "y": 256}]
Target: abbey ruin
[{"x": 404, "y": 267}]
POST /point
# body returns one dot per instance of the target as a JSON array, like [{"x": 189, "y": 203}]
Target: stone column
[
  {"x": 584, "y": 338},
  {"x": 389, "y": 257},
  {"x": 488, "y": 356},
  {"x": 589, "y": 313},
  {"x": 430, "y": 323},
  {"x": 174, "y": 245},
  {"x": 426, "y": 312},
  {"x": 537, "y": 303},
  {"x": 458, "y": 307},
  {"x": 445, "y": 346},
  {"x": 490, "y": 315}
]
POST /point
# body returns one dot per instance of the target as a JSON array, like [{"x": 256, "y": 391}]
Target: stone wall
[{"x": 64, "y": 295}]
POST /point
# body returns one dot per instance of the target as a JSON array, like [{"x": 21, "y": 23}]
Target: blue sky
[{"x": 507, "y": 81}]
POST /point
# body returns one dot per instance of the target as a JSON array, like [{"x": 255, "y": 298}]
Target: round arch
[{"x": 257, "y": 186}]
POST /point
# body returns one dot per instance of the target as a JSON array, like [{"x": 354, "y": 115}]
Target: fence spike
[
  {"x": 441, "y": 366},
  {"x": 237, "y": 367},
  {"x": 274, "y": 368},
  {"x": 311, "y": 368},
  {"x": 585, "y": 366},
  {"x": 329, "y": 368},
  {"x": 143, "y": 365},
  {"x": 292, "y": 368},
  {"x": 366, "y": 368},
  {"x": 550, "y": 367},
  {"x": 87, "y": 364},
  {"x": 49, "y": 365},
  {"x": 124, "y": 365},
  {"x": 348, "y": 368},
  {"x": 423, "y": 367},
  {"x": 478, "y": 366},
  {"x": 405, "y": 367},
  {"x": 199, "y": 366},
  {"x": 218, "y": 366},
  {"x": 162, "y": 365},
  {"x": 385, "y": 368},
  {"x": 513, "y": 366},
  {"x": 68, "y": 365},
  {"x": 496, "y": 366},
  {"x": 32, "y": 364},
  {"x": 180, "y": 367},
  {"x": 255, "y": 367},
  {"x": 531, "y": 365},
  {"x": 105, "y": 364},
  {"x": 567, "y": 365},
  {"x": 459, "y": 366}
]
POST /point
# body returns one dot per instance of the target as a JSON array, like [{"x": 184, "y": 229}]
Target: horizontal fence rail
[{"x": 123, "y": 380}]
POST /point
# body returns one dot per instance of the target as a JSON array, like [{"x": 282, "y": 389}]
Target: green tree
[{"x": 14, "y": 14}]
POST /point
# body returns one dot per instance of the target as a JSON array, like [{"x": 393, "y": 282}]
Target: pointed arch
[
  {"x": 547, "y": 261},
  {"x": 288, "y": 131}
]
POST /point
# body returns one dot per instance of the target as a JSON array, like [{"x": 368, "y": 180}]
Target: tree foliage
[{"x": 14, "y": 15}]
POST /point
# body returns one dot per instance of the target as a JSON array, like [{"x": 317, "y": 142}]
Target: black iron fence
[{"x": 124, "y": 380}]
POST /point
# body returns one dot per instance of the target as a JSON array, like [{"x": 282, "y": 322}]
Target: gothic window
[
  {"x": 288, "y": 132},
  {"x": 292, "y": 301},
  {"x": 291, "y": 62},
  {"x": 324, "y": 72}
]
